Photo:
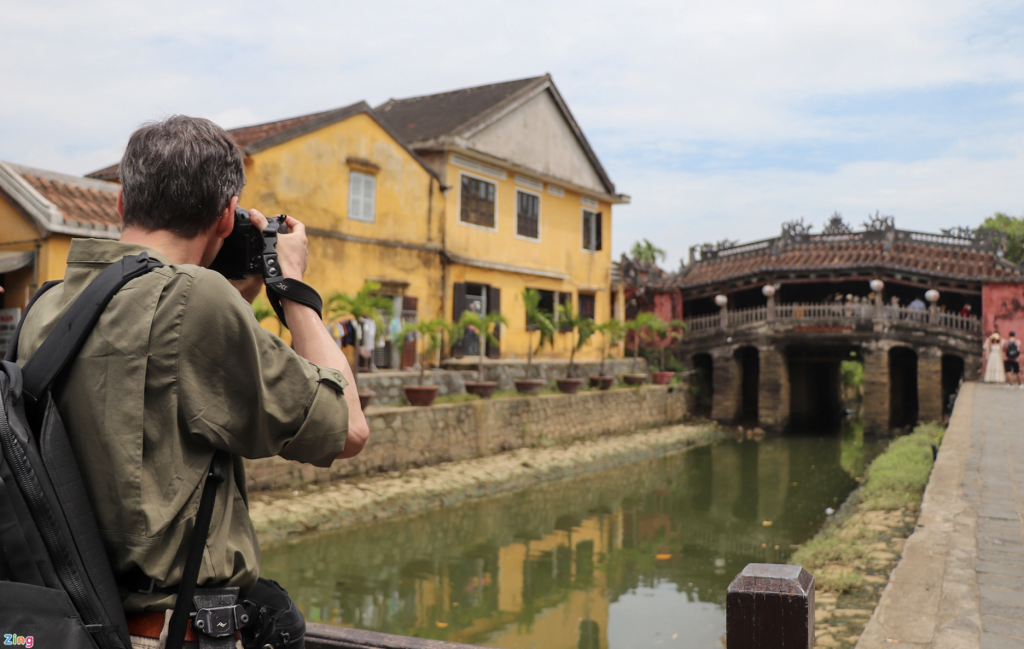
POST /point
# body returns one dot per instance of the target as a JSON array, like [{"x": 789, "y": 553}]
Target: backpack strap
[
  {"x": 194, "y": 560},
  {"x": 12, "y": 348},
  {"x": 67, "y": 338}
]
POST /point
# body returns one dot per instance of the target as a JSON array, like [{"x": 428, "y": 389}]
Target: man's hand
[{"x": 292, "y": 249}]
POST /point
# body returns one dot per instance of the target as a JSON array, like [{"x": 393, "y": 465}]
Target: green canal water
[{"x": 638, "y": 556}]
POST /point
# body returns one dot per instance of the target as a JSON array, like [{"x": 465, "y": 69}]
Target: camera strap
[{"x": 294, "y": 290}]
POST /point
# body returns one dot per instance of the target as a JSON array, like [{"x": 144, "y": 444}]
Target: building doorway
[{"x": 902, "y": 387}]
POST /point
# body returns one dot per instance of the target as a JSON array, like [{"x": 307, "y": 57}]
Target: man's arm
[{"x": 310, "y": 338}]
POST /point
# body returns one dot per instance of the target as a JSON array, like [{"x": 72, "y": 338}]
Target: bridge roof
[{"x": 958, "y": 254}]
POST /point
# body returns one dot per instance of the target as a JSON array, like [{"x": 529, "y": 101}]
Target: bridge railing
[
  {"x": 746, "y": 316},
  {"x": 704, "y": 322},
  {"x": 849, "y": 312}
]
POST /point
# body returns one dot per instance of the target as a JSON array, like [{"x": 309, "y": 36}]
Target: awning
[{"x": 13, "y": 260}]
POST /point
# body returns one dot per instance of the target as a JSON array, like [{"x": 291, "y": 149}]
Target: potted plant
[
  {"x": 583, "y": 328},
  {"x": 481, "y": 326},
  {"x": 636, "y": 326},
  {"x": 611, "y": 334},
  {"x": 428, "y": 333},
  {"x": 364, "y": 304},
  {"x": 663, "y": 335},
  {"x": 537, "y": 319}
]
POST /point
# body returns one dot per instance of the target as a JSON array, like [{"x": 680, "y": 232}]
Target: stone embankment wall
[
  {"x": 402, "y": 438},
  {"x": 388, "y": 384}
]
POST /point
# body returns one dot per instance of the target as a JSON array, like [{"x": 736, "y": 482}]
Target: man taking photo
[{"x": 177, "y": 368}]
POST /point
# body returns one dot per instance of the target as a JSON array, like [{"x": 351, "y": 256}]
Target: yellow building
[
  {"x": 528, "y": 204},
  {"x": 372, "y": 208},
  {"x": 40, "y": 212},
  {"x": 452, "y": 201}
]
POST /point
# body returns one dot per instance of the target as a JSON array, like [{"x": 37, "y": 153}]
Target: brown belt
[{"x": 149, "y": 625}]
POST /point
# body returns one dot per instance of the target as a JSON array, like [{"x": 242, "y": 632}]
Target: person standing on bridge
[
  {"x": 1011, "y": 364},
  {"x": 994, "y": 370}
]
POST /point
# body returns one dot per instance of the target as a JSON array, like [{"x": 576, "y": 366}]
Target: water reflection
[{"x": 638, "y": 556}]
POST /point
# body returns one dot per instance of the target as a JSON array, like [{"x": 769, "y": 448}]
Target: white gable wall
[{"x": 536, "y": 136}]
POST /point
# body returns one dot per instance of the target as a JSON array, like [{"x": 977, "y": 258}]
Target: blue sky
[{"x": 721, "y": 118}]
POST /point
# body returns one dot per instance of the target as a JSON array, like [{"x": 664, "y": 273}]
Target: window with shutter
[
  {"x": 527, "y": 215},
  {"x": 477, "y": 202},
  {"x": 587, "y": 303},
  {"x": 591, "y": 231},
  {"x": 362, "y": 196}
]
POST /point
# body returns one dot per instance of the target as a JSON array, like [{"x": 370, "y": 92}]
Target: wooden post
[{"x": 770, "y": 606}]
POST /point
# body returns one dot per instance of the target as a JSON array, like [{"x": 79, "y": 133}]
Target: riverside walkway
[{"x": 960, "y": 582}]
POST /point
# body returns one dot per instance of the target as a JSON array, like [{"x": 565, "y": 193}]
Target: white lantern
[
  {"x": 877, "y": 285},
  {"x": 931, "y": 295},
  {"x": 721, "y": 300},
  {"x": 767, "y": 290}
]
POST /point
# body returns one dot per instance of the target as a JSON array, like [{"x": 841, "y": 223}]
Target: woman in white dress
[{"x": 994, "y": 371}]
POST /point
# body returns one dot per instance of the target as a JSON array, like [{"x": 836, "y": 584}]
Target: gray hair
[{"x": 180, "y": 175}]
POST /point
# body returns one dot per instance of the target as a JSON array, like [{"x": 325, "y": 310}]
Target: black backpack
[
  {"x": 57, "y": 588},
  {"x": 1012, "y": 350}
]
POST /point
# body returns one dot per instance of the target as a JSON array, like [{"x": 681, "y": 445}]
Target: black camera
[{"x": 247, "y": 251}]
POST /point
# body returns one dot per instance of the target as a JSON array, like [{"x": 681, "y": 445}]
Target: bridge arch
[
  {"x": 903, "y": 395},
  {"x": 748, "y": 362},
  {"x": 953, "y": 369}
]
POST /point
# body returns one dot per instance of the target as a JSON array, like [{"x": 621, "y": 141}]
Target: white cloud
[
  {"x": 750, "y": 205},
  {"x": 663, "y": 89}
]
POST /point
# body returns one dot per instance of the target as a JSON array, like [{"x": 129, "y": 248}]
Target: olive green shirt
[{"x": 176, "y": 367}]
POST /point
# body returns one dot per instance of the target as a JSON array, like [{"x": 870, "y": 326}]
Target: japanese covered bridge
[{"x": 770, "y": 321}]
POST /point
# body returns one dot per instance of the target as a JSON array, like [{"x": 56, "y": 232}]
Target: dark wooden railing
[{"x": 768, "y": 606}]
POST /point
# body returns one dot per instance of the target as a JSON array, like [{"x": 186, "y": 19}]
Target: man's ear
[
  {"x": 120, "y": 203},
  {"x": 226, "y": 221}
]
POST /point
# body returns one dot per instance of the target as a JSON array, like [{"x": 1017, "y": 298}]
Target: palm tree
[
  {"x": 429, "y": 332},
  {"x": 643, "y": 320},
  {"x": 482, "y": 326},
  {"x": 574, "y": 322},
  {"x": 364, "y": 304},
  {"x": 646, "y": 252},
  {"x": 537, "y": 319},
  {"x": 612, "y": 333}
]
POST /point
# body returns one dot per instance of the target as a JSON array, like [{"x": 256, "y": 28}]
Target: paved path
[{"x": 960, "y": 582}]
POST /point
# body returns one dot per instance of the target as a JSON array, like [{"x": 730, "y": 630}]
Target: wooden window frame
[
  {"x": 351, "y": 176},
  {"x": 482, "y": 179},
  {"x": 537, "y": 195},
  {"x": 596, "y": 232}
]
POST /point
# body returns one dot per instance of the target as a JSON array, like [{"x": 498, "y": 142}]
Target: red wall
[
  {"x": 1002, "y": 309},
  {"x": 668, "y": 306}
]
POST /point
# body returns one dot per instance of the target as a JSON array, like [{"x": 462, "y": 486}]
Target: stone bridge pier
[{"x": 778, "y": 376}]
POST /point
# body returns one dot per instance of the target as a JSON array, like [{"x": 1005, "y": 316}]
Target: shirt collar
[{"x": 107, "y": 251}]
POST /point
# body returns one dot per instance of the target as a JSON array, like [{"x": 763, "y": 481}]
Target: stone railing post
[
  {"x": 770, "y": 606},
  {"x": 723, "y": 306}
]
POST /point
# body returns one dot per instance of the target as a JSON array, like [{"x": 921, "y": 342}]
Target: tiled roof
[
  {"x": 949, "y": 261},
  {"x": 416, "y": 119},
  {"x": 83, "y": 202},
  {"x": 259, "y": 137}
]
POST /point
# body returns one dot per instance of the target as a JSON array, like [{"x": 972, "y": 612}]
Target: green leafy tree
[
  {"x": 612, "y": 333},
  {"x": 661, "y": 335},
  {"x": 1013, "y": 227},
  {"x": 428, "y": 339},
  {"x": 482, "y": 327},
  {"x": 537, "y": 319},
  {"x": 645, "y": 320},
  {"x": 646, "y": 252},
  {"x": 575, "y": 324},
  {"x": 364, "y": 304}
]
